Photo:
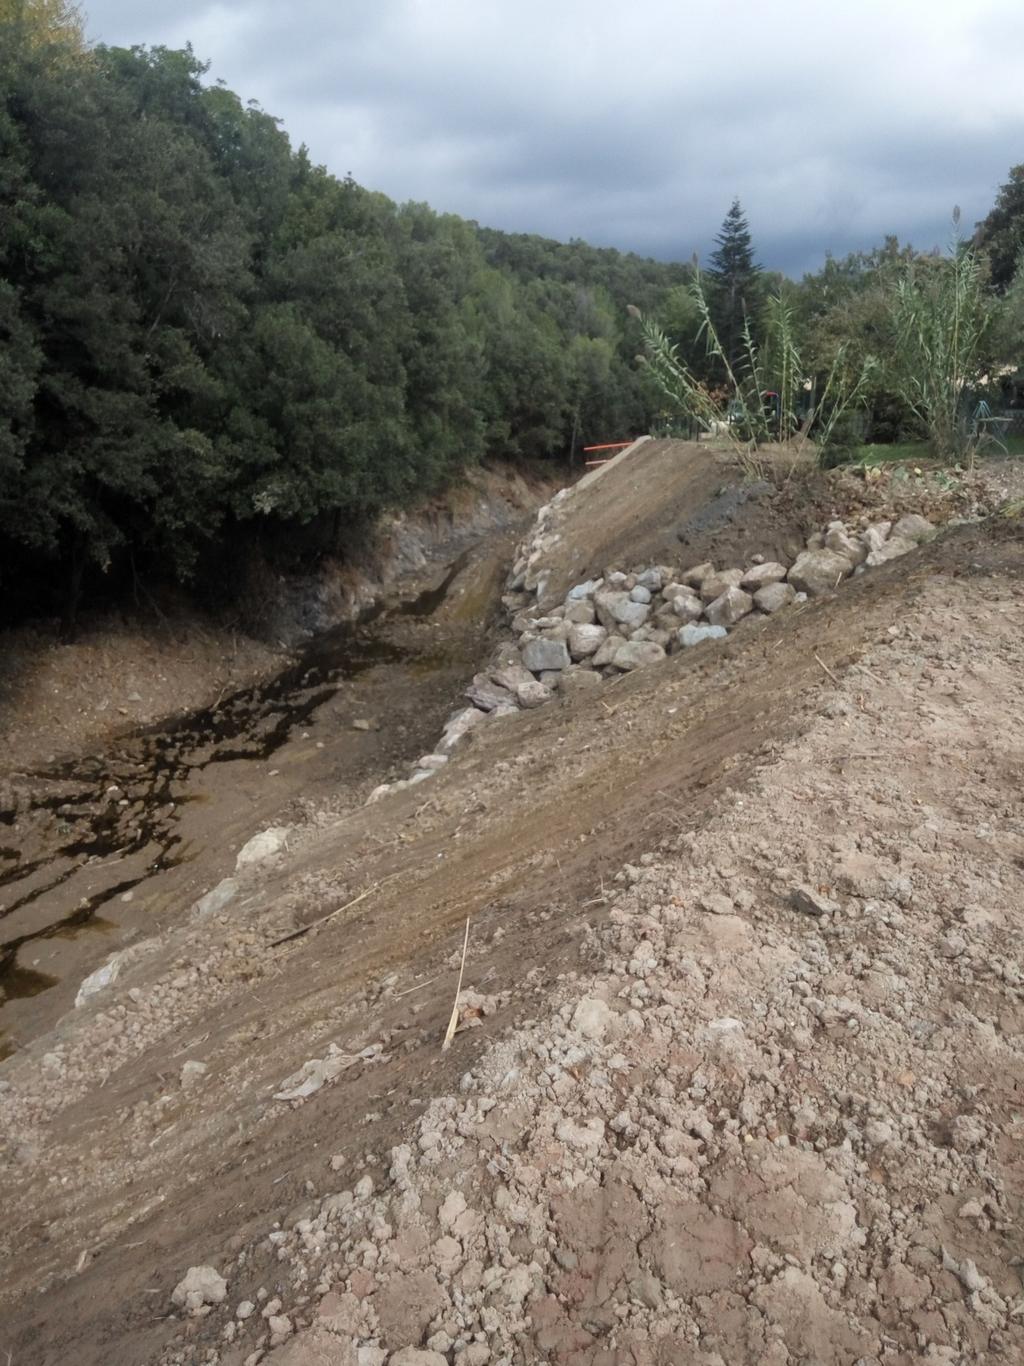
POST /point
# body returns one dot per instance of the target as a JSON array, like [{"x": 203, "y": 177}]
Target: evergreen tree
[{"x": 735, "y": 283}]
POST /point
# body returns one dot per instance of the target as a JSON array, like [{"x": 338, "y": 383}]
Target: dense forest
[{"x": 211, "y": 347}]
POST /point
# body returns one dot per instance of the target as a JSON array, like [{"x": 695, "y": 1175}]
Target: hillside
[{"x": 736, "y": 1075}]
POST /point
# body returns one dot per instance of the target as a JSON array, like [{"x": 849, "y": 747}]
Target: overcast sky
[{"x": 634, "y": 123}]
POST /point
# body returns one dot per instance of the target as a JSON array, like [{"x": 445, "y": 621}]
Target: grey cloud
[{"x": 635, "y": 126}]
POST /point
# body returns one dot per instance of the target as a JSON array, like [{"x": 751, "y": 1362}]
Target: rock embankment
[{"x": 625, "y": 620}]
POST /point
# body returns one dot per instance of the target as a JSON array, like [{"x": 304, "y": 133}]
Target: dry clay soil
[{"x": 694, "y": 1123}]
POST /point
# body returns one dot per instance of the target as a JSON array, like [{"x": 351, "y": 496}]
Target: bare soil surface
[{"x": 695, "y": 1121}]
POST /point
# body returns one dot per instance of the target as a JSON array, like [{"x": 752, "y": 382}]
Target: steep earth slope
[{"x": 744, "y": 964}]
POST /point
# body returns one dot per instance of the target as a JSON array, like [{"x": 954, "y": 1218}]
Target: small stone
[
  {"x": 812, "y": 902},
  {"x": 200, "y": 1285},
  {"x": 262, "y": 847},
  {"x": 774, "y": 596},
  {"x": 581, "y": 613},
  {"x": 696, "y": 635},
  {"x": 245, "y": 1310},
  {"x": 593, "y": 1018},
  {"x": 192, "y": 1072},
  {"x": 459, "y": 725},
  {"x": 215, "y": 900},
  {"x": 686, "y": 605},
  {"x": 819, "y": 571},
  {"x": 912, "y": 527},
  {"x": 763, "y": 574},
  {"x": 636, "y": 654},
  {"x": 533, "y": 694},
  {"x": 729, "y": 607},
  {"x": 586, "y": 640},
  {"x": 608, "y": 651},
  {"x": 716, "y": 584},
  {"x": 363, "y": 1188},
  {"x": 715, "y": 903},
  {"x": 584, "y": 590},
  {"x": 837, "y": 538},
  {"x": 894, "y": 548},
  {"x": 640, "y": 594},
  {"x": 693, "y": 578},
  {"x": 875, "y": 536},
  {"x": 280, "y": 1328},
  {"x": 362, "y": 724},
  {"x": 540, "y": 655},
  {"x": 486, "y": 695},
  {"x": 616, "y": 609}
]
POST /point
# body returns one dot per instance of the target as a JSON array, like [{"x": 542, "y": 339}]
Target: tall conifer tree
[{"x": 735, "y": 282}]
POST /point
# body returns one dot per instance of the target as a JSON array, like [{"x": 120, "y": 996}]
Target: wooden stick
[
  {"x": 827, "y": 670},
  {"x": 305, "y": 929},
  {"x": 453, "y": 1023}
]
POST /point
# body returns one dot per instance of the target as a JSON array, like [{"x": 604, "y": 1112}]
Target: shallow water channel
[{"x": 121, "y": 816}]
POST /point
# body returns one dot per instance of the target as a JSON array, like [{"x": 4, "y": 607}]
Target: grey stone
[
  {"x": 812, "y": 902},
  {"x": 224, "y": 892},
  {"x": 695, "y": 635},
  {"x": 586, "y": 640},
  {"x": 549, "y": 677},
  {"x": 732, "y": 606},
  {"x": 893, "y": 549},
  {"x": 608, "y": 650},
  {"x": 773, "y": 596},
  {"x": 541, "y": 655},
  {"x": 640, "y": 594},
  {"x": 618, "y": 609},
  {"x": 693, "y": 578},
  {"x": 512, "y": 677},
  {"x": 819, "y": 571},
  {"x": 584, "y": 590},
  {"x": 533, "y": 694},
  {"x": 716, "y": 903},
  {"x": 652, "y": 579},
  {"x": 635, "y": 654},
  {"x": 485, "y": 694},
  {"x": 763, "y": 574},
  {"x": 686, "y": 605},
  {"x": 458, "y": 724},
  {"x": 716, "y": 584},
  {"x": 200, "y": 1285},
  {"x": 876, "y": 535},
  {"x": 837, "y": 538},
  {"x": 560, "y": 631},
  {"x": 593, "y": 1018},
  {"x": 581, "y": 613},
  {"x": 912, "y": 527},
  {"x": 262, "y": 846}
]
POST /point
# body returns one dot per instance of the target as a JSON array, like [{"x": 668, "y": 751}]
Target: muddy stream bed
[{"x": 102, "y": 849}]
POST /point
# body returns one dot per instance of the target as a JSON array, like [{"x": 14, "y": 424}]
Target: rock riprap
[{"x": 623, "y": 620}]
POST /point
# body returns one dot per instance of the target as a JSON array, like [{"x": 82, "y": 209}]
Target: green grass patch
[{"x": 920, "y": 453}]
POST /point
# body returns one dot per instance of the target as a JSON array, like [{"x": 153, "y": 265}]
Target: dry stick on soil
[
  {"x": 827, "y": 670},
  {"x": 305, "y": 929},
  {"x": 453, "y": 1023}
]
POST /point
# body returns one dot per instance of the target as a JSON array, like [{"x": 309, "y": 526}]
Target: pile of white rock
[{"x": 622, "y": 621}]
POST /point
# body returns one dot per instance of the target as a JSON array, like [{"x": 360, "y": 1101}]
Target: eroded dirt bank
[{"x": 699, "y": 1121}]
